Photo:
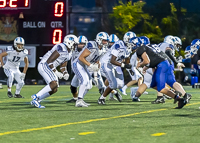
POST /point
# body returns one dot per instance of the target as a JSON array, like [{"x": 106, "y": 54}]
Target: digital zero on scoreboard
[{"x": 37, "y": 21}]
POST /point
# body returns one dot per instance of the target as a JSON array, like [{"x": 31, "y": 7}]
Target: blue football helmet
[
  {"x": 195, "y": 45},
  {"x": 188, "y": 53},
  {"x": 145, "y": 40},
  {"x": 134, "y": 43}
]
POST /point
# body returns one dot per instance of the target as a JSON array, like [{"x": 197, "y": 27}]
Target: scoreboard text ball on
[{"x": 37, "y": 21}]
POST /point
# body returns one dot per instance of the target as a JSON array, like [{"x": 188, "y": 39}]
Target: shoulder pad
[
  {"x": 90, "y": 45},
  {"x": 9, "y": 48},
  {"x": 171, "y": 46},
  {"x": 117, "y": 46},
  {"x": 59, "y": 48},
  {"x": 26, "y": 51}
]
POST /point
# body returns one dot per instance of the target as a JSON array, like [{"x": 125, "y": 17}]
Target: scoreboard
[{"x": 43, "y": 22}]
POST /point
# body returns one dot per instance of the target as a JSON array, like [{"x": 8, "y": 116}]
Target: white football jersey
[
  {"x": 164, "y": 45},
  {"x": 62, "y": 50},
  {"x": 95, "y": 54},
  {"x": 133, "y": 60},
  {"x": 118, "y": 49},
  {"x": 14, "y": 58}
]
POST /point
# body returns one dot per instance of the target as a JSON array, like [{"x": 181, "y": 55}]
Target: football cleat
[
  {"x": 80, "y": 103},
  {"x": 10, "y": 95},
  {"x": 112, "y": 99},
  {"x": 166, "y": 97},
  {"x": 158, "y": 100},
  {"x": 36, "y": 104},
  {"x": 187, "y": 97},
  {"x": 18, "y": 96},
  {"x": 123, "y": 91},
  {"x": 182, "y": 102},
  {"x": 136, "y": 99},
  {"x": 118, "y": 96},
  {"x": 101, "y": 101},
  {"x": 71, "y": 101}
]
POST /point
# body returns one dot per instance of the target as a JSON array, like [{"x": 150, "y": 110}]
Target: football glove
[
  {"x": 94, "y": 67},
  {"x": 22, "y": 76},
  {"x": 59, "y": 74},
  {"x": 66, "y": 76}
]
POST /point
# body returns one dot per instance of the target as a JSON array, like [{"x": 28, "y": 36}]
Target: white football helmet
[
  {"x": 113, "y": 38},
  {"x": 102, "y": 36},
  {"x": 128, "y": 36},
  {"x": 82, "y": 39},
  {"x": 70, "y": 41},
  {"x": 19, "y": 40},
  {"x": 170, "y": 40},
  {"x": 178, "y": 43}
]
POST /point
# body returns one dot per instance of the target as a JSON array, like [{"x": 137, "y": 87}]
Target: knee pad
[{"x": 73, "y": 89}]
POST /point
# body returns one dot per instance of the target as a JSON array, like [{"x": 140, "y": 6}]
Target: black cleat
[
  {"x": 136, "y": 99},
  {"x": 101, "y": 101},
  {"x": 158, "y": 100},
  {"x": 71, "y": 101},
  {"x": 182, "y": 102},
  {"x": 10, "y": 95},
  {"x": 187, "y": 97},
  {"x": 118, "y": 96},
  {"x": 18, "y": 96},
  {"x": 166, "y": 97}
]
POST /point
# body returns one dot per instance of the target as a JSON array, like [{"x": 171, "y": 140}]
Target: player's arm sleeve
[{"x": 170, "y": 55}]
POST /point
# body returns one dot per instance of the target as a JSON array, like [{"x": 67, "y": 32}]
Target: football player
[
  {"x": 61, "y": 53},
  {"x": 82, "y": 41},
  {"x": 15, "y": 54},
  {"x": 112, "y": 62},
  {"x": 152, "y": 57},
  {"x": 88, "y": 58}
]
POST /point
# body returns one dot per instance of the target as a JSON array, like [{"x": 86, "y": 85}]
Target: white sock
[
  {"x": 75, "y": 98},
  {"x": 114, "y": 91},
  {"x": 82, "y": 91},
  {"x": 9, "y": 89},
  {"x": 44, "y": 96},
  {"x": 124, "y": 88},
  {"x": 43, "y": 91},
  {"x": 102, "y": 97}
]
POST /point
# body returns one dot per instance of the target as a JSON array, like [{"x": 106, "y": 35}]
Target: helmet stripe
[
  {"x": 80, "y": 39},
  {"x": 113, "y": 38}
]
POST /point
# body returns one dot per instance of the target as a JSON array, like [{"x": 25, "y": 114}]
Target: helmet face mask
[
  {"x": 19, "y": 44},
  {"x": 102, "y": 39},
  {"x": 70, "y": 41}
]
